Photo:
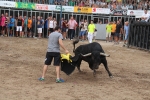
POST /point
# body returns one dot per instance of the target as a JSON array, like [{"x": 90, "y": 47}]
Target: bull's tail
[{"x": 75, "y": 42}]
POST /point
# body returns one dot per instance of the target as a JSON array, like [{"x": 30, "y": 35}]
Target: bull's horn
[
  {"x": 86, "y": 55},
  {"x": 103, "y": 54}
]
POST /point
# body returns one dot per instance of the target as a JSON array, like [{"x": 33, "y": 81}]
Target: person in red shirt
[{"x": 64, "y": 28}]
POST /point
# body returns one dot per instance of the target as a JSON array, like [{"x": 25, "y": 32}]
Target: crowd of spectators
[{"x": 112, "y": 4}]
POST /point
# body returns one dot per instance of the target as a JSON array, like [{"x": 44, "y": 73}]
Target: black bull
[{"x": 92, "y": 53}]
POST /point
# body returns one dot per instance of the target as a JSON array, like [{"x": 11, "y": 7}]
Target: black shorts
[
  {"x": 22, "y": 29},
  {"x": 11, "y": 28},
  {"x": 51, "y": 30},
  {"x": 3, "y": 28},
  {"x": 112, "y": 33},
  {"x": 50, "y": 56},
  {"x": 29, "y": 29}
]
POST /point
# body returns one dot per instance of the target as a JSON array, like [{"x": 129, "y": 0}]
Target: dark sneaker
[
  {"x": 59, "y": 80},
  {"x": 41, "y": 79}
]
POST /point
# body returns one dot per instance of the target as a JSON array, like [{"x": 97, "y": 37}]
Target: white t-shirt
[
  {"x": 146, "y": 15},
  {"x": 51, "y": 24}
]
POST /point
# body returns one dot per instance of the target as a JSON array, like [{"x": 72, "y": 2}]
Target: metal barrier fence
[
  {"x": 139, "y": 35},
  {"x": 78, "y": 16}
]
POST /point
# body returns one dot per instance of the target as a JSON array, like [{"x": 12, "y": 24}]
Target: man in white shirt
[{"x": 145, "y": 16}]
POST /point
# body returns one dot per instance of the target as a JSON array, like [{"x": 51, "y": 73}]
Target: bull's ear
[{"x": 75, "y": 58}]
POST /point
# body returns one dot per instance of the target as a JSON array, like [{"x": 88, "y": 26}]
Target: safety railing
[{"x": 139, "y": 35}]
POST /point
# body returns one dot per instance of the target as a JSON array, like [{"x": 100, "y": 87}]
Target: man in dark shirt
[
  {"x": 19, "y": 26},
  {"x": 39, "y": 26},
  {"x": 118, "y": 32}
]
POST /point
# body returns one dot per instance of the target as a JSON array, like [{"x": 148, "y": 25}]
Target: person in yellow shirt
[
  {"x": 29, "y": 26},
  {"x": 91, "y": 30},
  {"x": 113, "y": 31},
  {"x": 108, "y": 31}
]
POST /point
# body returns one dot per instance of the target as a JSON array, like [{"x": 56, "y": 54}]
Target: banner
[
  {"x": 41, "y": 7},
  {"x": 119, "y": 12},
  {"x": 101, "y": 10},
  {"x": 58, "y": 8},
  {"x": 136, "y": 13},
  {"x": 82, "y": 10},
  {"x": 7, "y": 4},
  {"x": 25, "y": 5}
]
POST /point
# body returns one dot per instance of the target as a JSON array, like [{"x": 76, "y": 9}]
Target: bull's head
[{"x": 95, "y": 58}]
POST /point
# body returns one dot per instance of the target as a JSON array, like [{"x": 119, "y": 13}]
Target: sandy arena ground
[{"x": 21, "y": 63}]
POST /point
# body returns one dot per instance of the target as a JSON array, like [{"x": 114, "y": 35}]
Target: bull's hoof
[
  {"x": 94, "y": 74},
  {"x": 111, "y": 76}
]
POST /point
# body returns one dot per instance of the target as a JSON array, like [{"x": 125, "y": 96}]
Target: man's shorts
[
  {"x": 108, "y": 34},
  {"x": 29, "y": 29},
  {"x": 11, "y": 28},
  {"x": 64, "y": 29},
  {"x": 39, "y": 30},
  {"x": 19, "y": 28},
  {"x": 126, "y": 36},
  {"x": 51, "y": 30},
  {"x": 50, "y": 56},
  {"x": 82, "y": 33},
  {"x": 112, "y": 33},
  {"x": 3, "y": 28},
  {"x": 117, "y": 34}
]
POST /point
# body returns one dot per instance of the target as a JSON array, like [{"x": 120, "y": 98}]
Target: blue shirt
[
  {"x": 46, "y": 24},
  {"x": 126, "y": 28},
  {"x": 12, "y": 22},
  {"x": 39, "y": 23}
]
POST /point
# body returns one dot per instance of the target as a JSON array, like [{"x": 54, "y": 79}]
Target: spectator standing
[
  {"x": 55, "y": 23},
  {"x": 25, "y": 25},
  {"x": 39, "y": 26},
  {"x": 46, "y": 28},
  {"x": 145, "y": 16},
  {"x": 126, "y": 31},
  {"x": 71, "y": 26},
  {"x": 42, "y": 25},
  {"x": 15, "y": 28},
  {"x": 7, "y": 21},
  {"x": 91, "y": 30},
  {"x": 51, "y": 25},
  {"x": 118, "y": 31},
  {"x": 108, "y": 32},
  {"x": 19, "y": 26},
  {"x": 3, "y": 25},
  {"x": 64, "y": 28},
  {"x": 85, "y": 28},
  {"x": 11, "y": 25},
  {"x": 29, "y": 27},
  {"x": 34, "y": 26},
  {"x": 82, "y": 30},
  {"x": 113, "y": 30}
]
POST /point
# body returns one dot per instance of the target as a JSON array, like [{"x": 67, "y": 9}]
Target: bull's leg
[
  {"x": 104, "y": 61},
  {"x": 92, "y": 68},
  {"x": 94, "y": 73},
  {"x": 78, "y": 66}
]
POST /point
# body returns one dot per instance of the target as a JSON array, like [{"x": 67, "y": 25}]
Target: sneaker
[
  {"x": 59, "y": 80},
  {"x": 41, "y": 79}
]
